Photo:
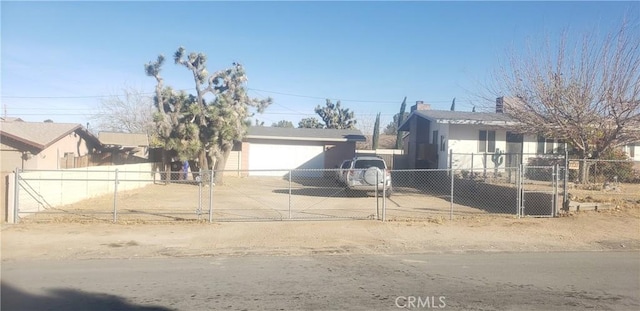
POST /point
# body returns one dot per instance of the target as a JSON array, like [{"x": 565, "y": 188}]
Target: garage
[
  {"x": 265, "y": 150},
  {"x": 282, "y": 156}
]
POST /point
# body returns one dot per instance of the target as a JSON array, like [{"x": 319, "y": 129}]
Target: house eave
[
  {"x": 294, "y": 138},
  {"x": 24, "y": 141},
  {"x": 476, "y": 122}
]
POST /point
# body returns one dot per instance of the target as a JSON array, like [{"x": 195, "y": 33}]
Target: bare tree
[
  {"x": 585, "y": 92},
  {"x": 366, "y": 124},
  {"x": 129, "y": 112}
]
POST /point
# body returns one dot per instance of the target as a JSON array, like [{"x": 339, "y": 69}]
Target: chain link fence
[
  {"x": 288, "y": 194},
  {"x": 602, "y": 184},
  {"x": 122, "y": 194},
  {"x": 132, "y": 194}
]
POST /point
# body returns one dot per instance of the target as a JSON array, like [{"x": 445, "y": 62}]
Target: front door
[{"x": 514, "y": 149}]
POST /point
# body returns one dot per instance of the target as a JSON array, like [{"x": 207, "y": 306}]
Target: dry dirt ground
[
  {"x": 254, "y": 198},
  {"x": 605, "y": 230},
  {"x": 273, "y": 198}
]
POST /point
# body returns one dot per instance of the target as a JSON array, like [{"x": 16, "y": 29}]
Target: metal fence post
[
  {"x": 211, "y": 184},
  {"x": 565, "y": 195},
  {"x": 519, "y": 196},
  {"x": 290, "y": 173},
  {"x": 556, "y": 177},
  {"x": 199, "y": 211},
  {"x": 16, "y": 193},
  {"x": 377, "y": 199},
  {"x": 384, "y": 195},
  {"x": 115, "y": 198},
  {"x": 452, "y": 187}
]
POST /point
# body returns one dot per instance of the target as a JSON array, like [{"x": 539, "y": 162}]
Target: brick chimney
[
  {"x": 500, "y": 105},
  {"x": 420, "y": 105}
]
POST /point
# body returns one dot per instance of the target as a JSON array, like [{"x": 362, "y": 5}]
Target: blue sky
[{"x": 58, "y": 58}]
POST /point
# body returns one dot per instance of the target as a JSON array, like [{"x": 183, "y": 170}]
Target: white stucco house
[
  {"x": 439, "y": 139},
  {"x": 272, "y": 151},
  {"x": 633, "y": 151}
]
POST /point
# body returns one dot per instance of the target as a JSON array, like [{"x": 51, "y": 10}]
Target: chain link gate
[{"x": 538, "y": 191}]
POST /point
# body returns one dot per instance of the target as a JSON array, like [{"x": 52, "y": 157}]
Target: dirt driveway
[
  {"x": 256, "y": 198},
  {"x": 606, "y": 230}
]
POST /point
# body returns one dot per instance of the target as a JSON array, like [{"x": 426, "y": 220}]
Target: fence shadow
[
  {"x": 325, "y": 192},
  {"x": 327, "y": 180},
  {"x": 66, "y": 299},
  {"x": 491, "y": 198}
]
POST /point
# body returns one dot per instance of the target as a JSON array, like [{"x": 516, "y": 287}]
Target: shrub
[
  {"x": 543, "y": 174},
  {"x": 616, "y": 163}
]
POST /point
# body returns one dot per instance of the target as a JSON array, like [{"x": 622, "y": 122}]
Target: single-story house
[
  {"x": 265, "y": 150},
  {"x": 633, "y": 151},
  {"x": 125, "y": 148},
  {"x": 472, "y": 138},
  {"x": 43, "y": 145},
  {"x": 384, "y": 142},
  {"x": 433, "y": 133}
]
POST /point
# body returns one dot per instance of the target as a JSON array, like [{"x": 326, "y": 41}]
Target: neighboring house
[
  {"x": 384, "y": 142},
  {"x": 125, "y": 148},
  {"x": 43, "y": 145},
  {"x": 267, "y": 149},
  {"x": 470, "y": 136},
  {"x": 633, "y": 151},
  {"x": 10, "y": 119}
]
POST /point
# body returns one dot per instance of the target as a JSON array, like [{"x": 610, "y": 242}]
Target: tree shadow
[{"x": 66, "y": 299}]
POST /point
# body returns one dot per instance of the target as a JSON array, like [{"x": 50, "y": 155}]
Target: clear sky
[{"x": 60, "y": 58}]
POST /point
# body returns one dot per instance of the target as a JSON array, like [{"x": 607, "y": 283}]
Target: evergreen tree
[{"x": 376, "y": 133}]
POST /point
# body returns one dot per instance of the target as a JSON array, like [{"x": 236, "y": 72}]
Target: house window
[
  {"x": 540, "y": 149},
  {"x": 442, "y": 143},
  {"x": 561, "y": 144},
  {"x": 547, "y": 145},
  {"x": 632, "y": 153},
  {"x": 434, "y": 138},
  {"x": 487, "y": 141}
]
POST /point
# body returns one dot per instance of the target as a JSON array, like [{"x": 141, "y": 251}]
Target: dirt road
[{"x": 607, "y": 230}]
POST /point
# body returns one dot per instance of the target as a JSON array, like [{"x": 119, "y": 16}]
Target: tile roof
[
  {"x": 37, "y": 134},
  {"x": 304, "y": 134}
]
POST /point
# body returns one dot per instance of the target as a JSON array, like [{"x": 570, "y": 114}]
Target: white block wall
[{"x": 40, "y": 190}]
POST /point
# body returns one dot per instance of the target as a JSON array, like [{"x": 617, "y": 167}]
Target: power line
[
  {"x": 256, "y": 114},
  {"x": 317, "y": 97},
  {"x": 52, "y": 109},
  {"x": 249, "y": 89}
]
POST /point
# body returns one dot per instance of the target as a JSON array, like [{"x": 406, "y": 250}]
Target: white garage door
[{"x": 284, "y": 157}]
